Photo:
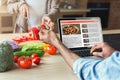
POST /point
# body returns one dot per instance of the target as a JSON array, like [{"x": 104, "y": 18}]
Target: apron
[{"x": 37, "y": 9}]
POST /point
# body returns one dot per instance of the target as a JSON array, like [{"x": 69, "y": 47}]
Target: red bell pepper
[{"x": 34, "y": 33}]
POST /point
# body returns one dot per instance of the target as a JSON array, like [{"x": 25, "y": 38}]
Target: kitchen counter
[
  {"x": 74, "y": 10},
  {"x": 115, "y": 31},
  {"x": 52, "y": 67},
  {"x": 82, "y": 12}
]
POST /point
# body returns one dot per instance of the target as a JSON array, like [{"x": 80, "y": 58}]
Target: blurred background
[{"x": 107, "y": 10}]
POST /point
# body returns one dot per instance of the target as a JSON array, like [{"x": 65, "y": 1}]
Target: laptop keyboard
[{"x": 83, "y": 52}]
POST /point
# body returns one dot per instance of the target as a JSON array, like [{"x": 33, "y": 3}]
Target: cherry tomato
[
  {"x": 42, "y": 26},
  {"x": 24, "y": 62},
  {"x": 16, "y": 58},
  {"x": 50, "y": 49},
  {"x": 34, "y": 55},
  {"x": 36, "y": 60}
]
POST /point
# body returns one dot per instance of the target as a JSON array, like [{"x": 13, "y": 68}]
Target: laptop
[{"x": 79, "y": 34}]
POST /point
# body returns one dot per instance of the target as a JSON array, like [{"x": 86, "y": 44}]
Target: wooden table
[{"x": 52, "y": 67}]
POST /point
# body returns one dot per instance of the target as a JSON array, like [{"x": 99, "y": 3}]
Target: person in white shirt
[{"x": 34, "y": 13}]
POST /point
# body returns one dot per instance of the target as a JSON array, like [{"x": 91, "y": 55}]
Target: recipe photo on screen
[{"x": 80, "y": 33}]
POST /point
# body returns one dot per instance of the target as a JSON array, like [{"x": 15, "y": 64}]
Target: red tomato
[
  {"x": 42, "y": 26},
  {"x": 24, "y": 62},
  {"x": 36, "y": 60},
  {"x": 34, "y": 55},
  {"x": 50, "y": 49},
  {"x": 15, "y": 58}
]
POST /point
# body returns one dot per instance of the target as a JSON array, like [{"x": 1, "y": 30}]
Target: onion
[{"x": 13, "y": 45}]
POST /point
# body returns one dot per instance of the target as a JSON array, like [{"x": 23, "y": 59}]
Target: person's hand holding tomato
[
  {"x": 42, "y": 26},
  {"x": 48, "y": 36},
  {"x": 48, "y": 21}
]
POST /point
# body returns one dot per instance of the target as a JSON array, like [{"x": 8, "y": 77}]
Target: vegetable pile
[
  {"x": 30, "y": 53},
  {"x": 27, "y": 61},
  {"x": 29, "y": 49}
]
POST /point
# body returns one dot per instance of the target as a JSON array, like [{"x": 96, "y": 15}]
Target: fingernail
[{"x": 94, "y": 53}]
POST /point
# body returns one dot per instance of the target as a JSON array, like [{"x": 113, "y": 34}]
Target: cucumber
[
  {"x": 29, "y": 53},
  {"x": 33, "y": 46}
]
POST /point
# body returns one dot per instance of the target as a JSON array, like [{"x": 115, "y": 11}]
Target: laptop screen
[{"x": 80, "y": 32}]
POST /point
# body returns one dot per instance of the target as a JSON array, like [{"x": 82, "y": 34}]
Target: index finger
[{"x": 95, "y": 47}]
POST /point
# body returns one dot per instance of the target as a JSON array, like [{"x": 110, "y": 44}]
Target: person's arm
[
  {"x": 84, "y": 68},
  {"x": 91, "y": 69},
  {"x": 67, "y": 54},
  {"x": 13, "y": 5}
]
